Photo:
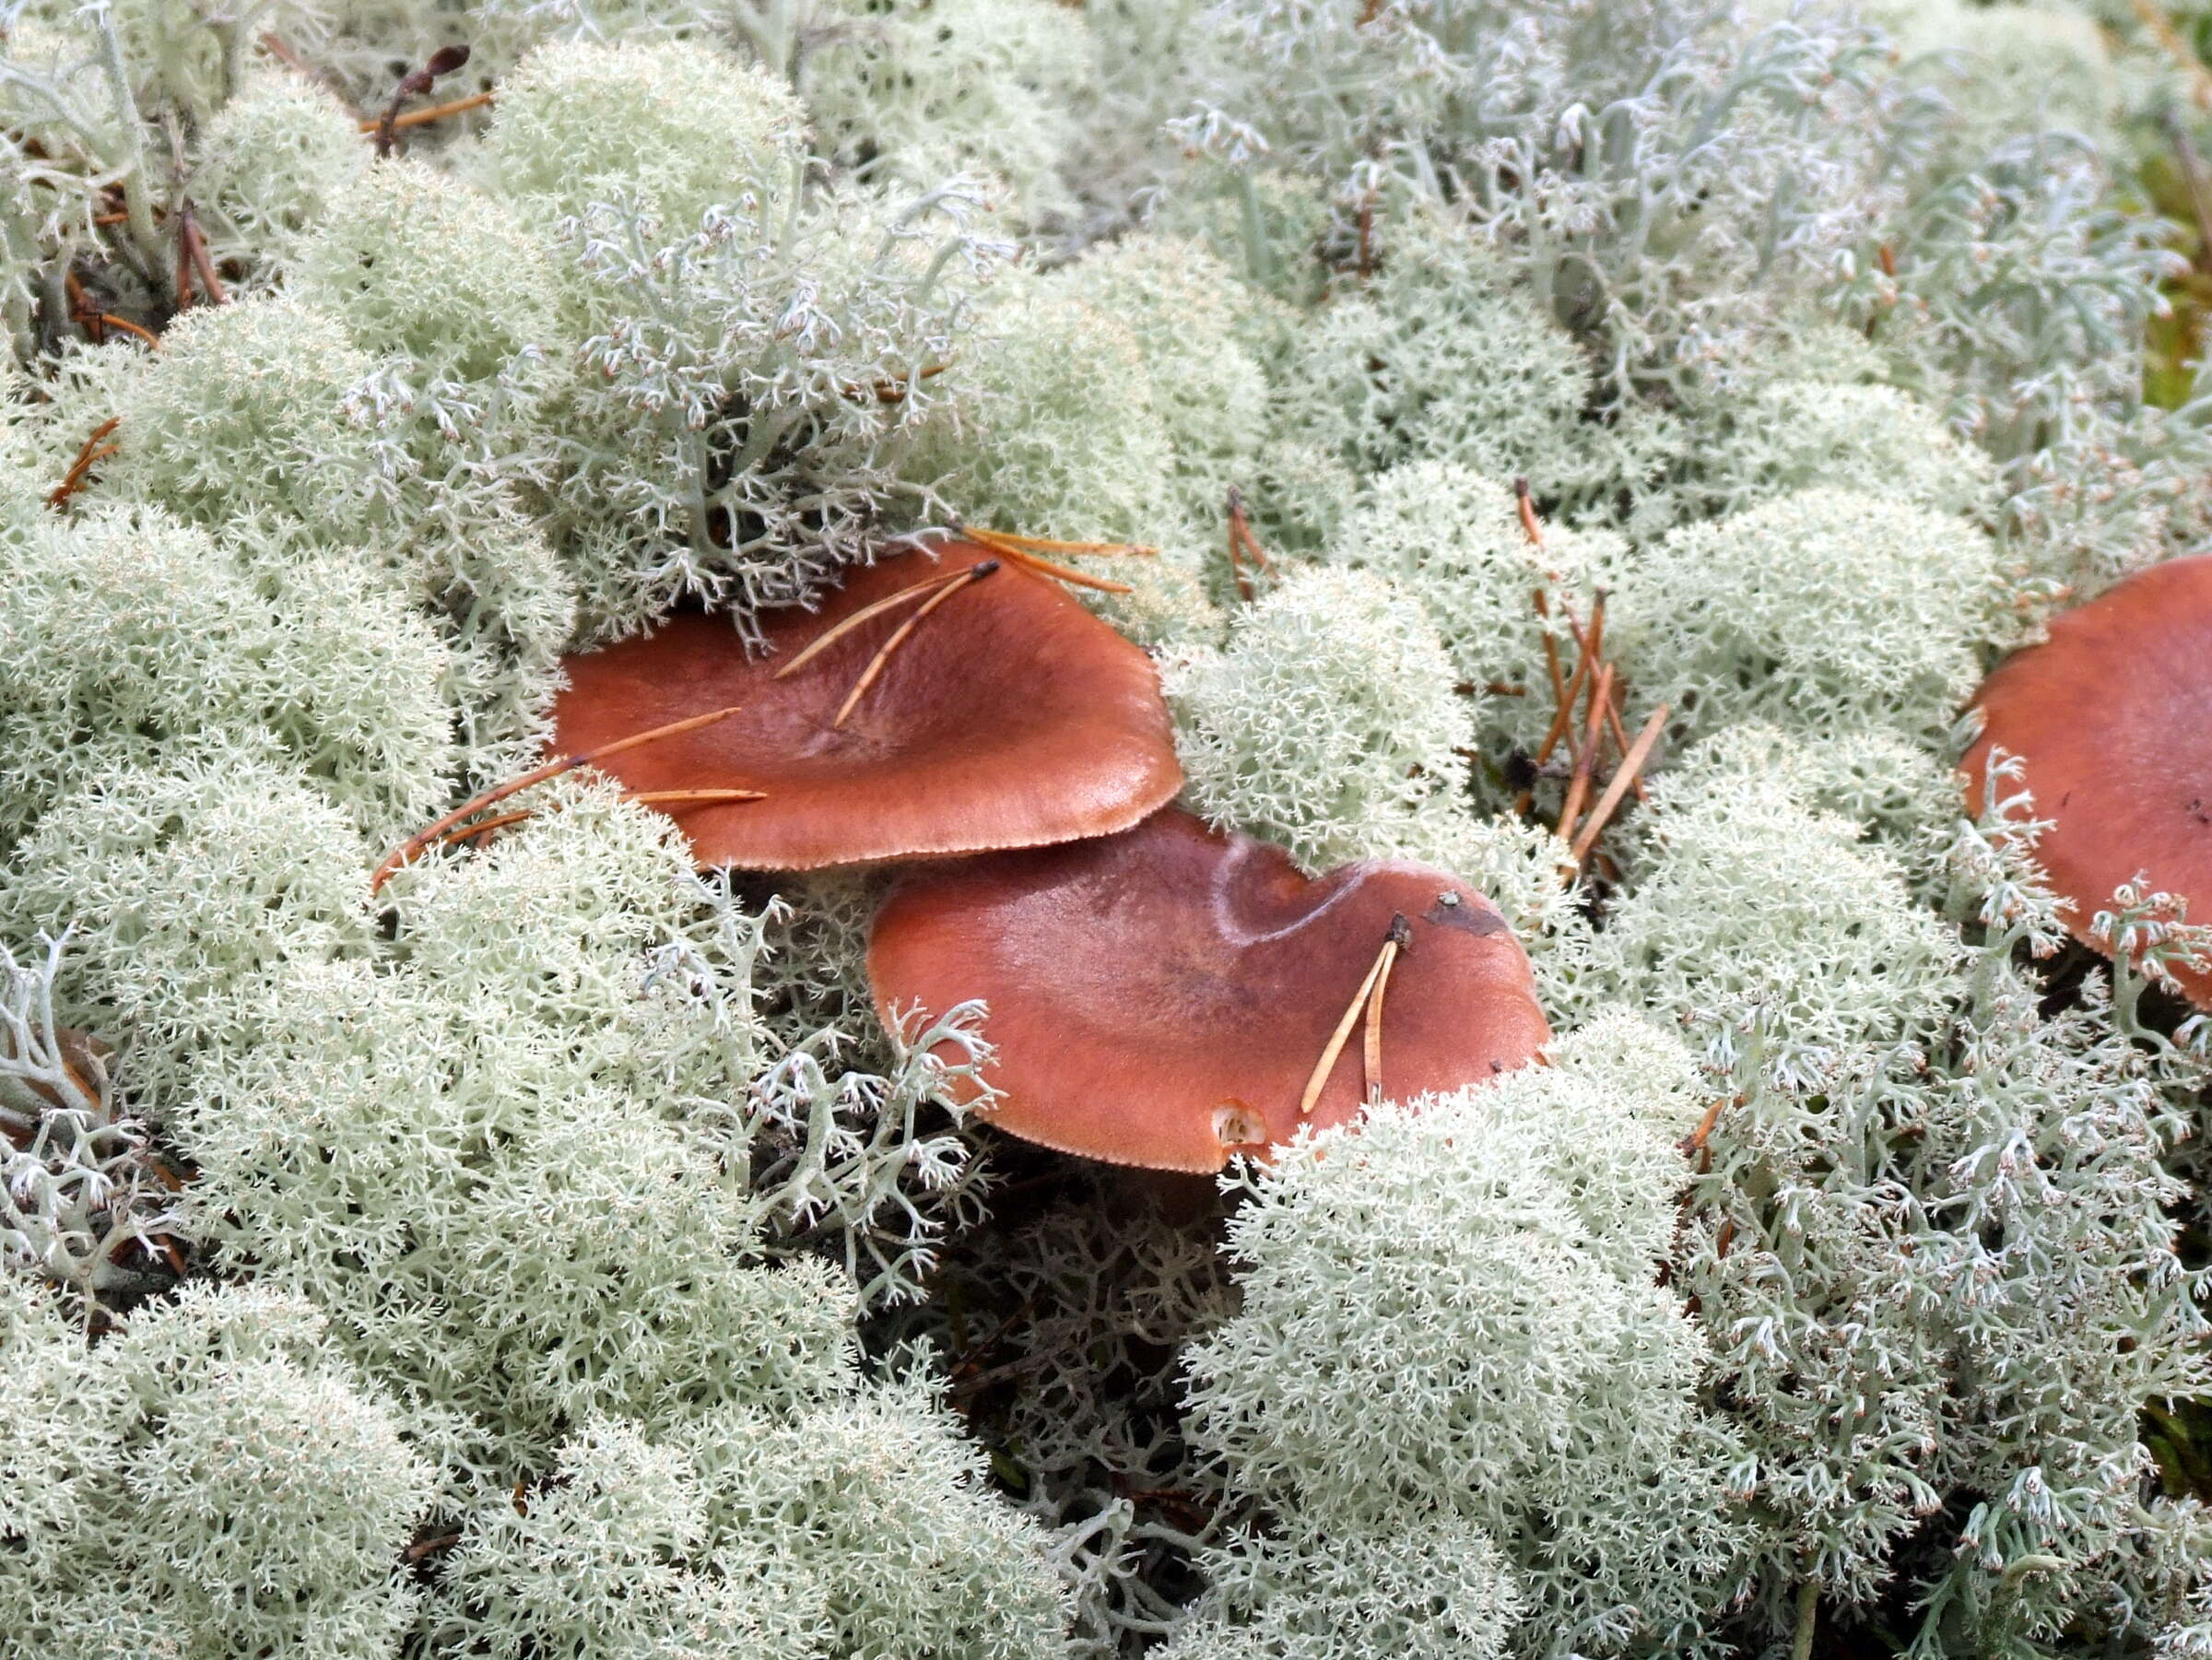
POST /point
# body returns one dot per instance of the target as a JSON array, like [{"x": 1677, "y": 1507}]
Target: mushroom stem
[
  {"x": 92, "y": 452},
  {"x": 1342, "y": 1035},
  {"x": 829, "y": 637},
  {"x": 412, "y": 848},
  {"x": 1400, "y": 935},
  {"x": 1629, "y": 772},
  {"x": 1579, "y": 785},
  {"x": 974, "y": 573}
]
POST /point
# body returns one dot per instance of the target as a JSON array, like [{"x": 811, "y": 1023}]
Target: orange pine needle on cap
[
  {"x": 1400, "y": 935},
  {"x": 974, "y": 573},
  {"x": 412, "y": 848},
  {"x": 1008, "y": 540},
  {"x": 829, "y": 637},
  {"x": 1342, "y": 1035}
]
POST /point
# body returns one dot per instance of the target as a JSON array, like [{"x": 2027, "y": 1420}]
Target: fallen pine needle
[{"x": 1628, "y": 770}]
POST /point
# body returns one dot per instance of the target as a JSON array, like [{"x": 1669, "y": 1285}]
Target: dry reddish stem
[
  {"x": 203, "y": 262},
  {"x": 1695, "y": 1141},
  {"x": 444, "y": 61},
  {"x": 1236, "y": 544},
  {"x": 422, "y": 118},
  {"x": 1531, "y": 526},
  {"x": 412, "y": 848},
  {"x": 974, "y": 573},
  {"x": 1621, "y": 736},
  {"x": 893, "y": 391},
  {"x": 92, "y": 452},
  {"x": 1579, "y": 785},
  {"x": 110, "y": 320},
  {"x": 1631, "y": 764}
]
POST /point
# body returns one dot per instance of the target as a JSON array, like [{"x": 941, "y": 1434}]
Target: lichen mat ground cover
[{"x": 1234, "y": 829}]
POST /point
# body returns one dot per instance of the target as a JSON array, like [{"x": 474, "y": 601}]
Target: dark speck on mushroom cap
[
  {"x": 1139, "y": 982},
  {"x": 2112, "y": 715}
]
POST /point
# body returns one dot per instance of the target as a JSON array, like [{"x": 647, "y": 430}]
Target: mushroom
[
  {"x": 2108, "y": 715},
  {"x": 941, "y": 702},
  {"x": 1171, "y": 995}
]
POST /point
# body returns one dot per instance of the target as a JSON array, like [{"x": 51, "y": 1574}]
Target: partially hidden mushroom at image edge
[
  {"x": 1171, "y": 995},
  {"x": 1001, "y": 715},
  {"x": 2109, "y": 716}
]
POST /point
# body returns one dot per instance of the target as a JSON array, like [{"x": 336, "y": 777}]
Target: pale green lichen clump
[{"x": 552, "y": 1253}]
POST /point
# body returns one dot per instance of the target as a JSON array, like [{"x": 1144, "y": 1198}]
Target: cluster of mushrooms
[{"x": 1160, "y": 994}]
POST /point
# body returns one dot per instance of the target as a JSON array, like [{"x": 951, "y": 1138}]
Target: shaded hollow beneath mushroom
[
  {"x": 1008, "y": 717},
  {"x": 1160, "y": 997},
  {"x": 2109, "y": 715}
]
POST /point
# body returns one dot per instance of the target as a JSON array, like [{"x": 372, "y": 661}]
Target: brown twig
[
  {"x": 1243, "y": 544},
  {"x": 1531, "y": 526},
  {"x": 1695, "y": 1141},
  {"x": 1620, "y": 738},
  {"x": 414, "y": 846},
  {"x": 1632, "y": 763},
  {"x": 91, "y": 453},
  {"x": 974, "y": 573},
  {"x": 1579, "y": 785},
  {"x": 1563, "y": 717},
  {"x": 429, "y": 1546},
  {"x": 80, "y": 308},
  {"x": 892, "y": 392},
  {"x": 195, "y": 253},
  {"x": 1236, "y": 546},
  {"x": 422, "y": 118},
  {"x": 136, "y": 331},
  {"x": 414, "y": 84}
]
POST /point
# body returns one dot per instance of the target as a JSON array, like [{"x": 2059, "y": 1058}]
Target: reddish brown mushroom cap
[
  {"x": 1160, "y": 997},
  {"x": 2111, "y": 714},
  {"x": 1009, "y": 717}
]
